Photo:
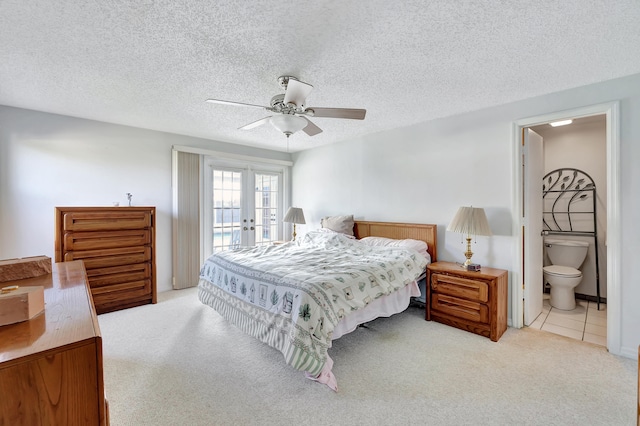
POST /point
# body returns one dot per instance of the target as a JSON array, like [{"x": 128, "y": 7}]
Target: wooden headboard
[{"x": 400, "y": 231}]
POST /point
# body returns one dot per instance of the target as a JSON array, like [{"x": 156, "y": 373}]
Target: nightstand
[{"x": 474, "y": 301}]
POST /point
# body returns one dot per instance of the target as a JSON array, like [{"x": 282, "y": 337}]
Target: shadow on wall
[{"x": 499, "y": 221}]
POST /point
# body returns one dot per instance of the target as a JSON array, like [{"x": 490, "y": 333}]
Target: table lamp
[
  {"x": 294, "y": 215},
  {"x": 470, "y": 221}
]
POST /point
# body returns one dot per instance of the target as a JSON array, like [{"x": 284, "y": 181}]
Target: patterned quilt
[{"x": 291, "y": 296}]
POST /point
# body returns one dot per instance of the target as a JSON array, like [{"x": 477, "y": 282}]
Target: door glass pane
[
  {"x": 227, "y": 209},
  {"x": 266, "y": 207}
]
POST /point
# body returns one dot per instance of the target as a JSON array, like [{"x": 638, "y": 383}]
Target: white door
[
  {"x": 533, "y": 173},
  {"x": 243, "y": 207},
  {"x": 267, "y": 206}
]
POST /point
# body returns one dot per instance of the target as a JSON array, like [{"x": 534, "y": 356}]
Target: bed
[{"x": 300, "y": 296}]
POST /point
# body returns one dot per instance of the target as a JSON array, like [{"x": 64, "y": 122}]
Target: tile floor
[{"x": 585, "y": 322}]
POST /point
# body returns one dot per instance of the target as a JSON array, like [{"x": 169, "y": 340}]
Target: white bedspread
[{"x": 292, "y": 296}]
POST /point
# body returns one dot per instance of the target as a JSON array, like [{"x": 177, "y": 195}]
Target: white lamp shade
[
  {"x": 294, "y": 215},
  {"x": 470, "y": 221},
  {"x": 288, "y": 123}
]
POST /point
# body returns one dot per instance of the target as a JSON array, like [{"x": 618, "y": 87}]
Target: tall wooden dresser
[
  {"x": 117, "y": 246},
  {"x": 51, "y": 365}
]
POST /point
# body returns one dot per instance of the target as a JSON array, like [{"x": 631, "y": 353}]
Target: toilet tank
[{"x": 566, "y": 252}]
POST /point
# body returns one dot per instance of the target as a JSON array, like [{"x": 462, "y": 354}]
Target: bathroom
[{"x": 580, "y": 145}]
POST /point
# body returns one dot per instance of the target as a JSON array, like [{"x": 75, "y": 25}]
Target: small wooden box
[
  {"x": 26, "y": 267},
  {"x": 21, "y": 304}
]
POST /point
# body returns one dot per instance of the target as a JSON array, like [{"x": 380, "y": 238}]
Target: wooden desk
[{"x": 51, "y": 365}]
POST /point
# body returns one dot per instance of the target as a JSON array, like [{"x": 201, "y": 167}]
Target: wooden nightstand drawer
[
  {"x": 460, "y": 308},
  {"x": 475, "y": 301},
  {"x": 460, "y": 287}
]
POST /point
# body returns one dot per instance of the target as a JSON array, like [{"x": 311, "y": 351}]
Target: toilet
[{"x": 563, "y": 274}]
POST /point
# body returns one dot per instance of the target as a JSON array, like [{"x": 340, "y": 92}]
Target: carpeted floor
[{"x": 179, "y": 363}]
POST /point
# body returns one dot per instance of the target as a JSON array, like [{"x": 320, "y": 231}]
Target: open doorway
[
  {"x": 521, "y": 298},
  {"x": 573, "y": 212}
]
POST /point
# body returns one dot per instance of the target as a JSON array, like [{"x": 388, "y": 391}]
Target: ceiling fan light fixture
[
  {"x": 288, "y": 123},
  {"x": 290, "y": 110}
]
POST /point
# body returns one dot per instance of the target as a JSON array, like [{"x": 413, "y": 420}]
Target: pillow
[
  {"x": 342, "y": 224},
  {"x": 417, "y": 245}
]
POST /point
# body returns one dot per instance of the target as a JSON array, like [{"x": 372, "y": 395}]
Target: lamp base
[{"x": 468, "y": 253}]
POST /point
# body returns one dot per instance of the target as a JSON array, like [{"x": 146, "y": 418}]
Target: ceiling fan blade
[
  {"x": 351, "y": 113},
  {"x": 255, "y": 124},
  {"x": 220, "y": 101},
  {"x": 311, "y": 129},
  {"x": 297, "y": 92}
]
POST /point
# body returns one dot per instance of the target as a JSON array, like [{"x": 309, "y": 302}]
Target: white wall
[
  {"x": 49, "y": 160},
  {"x": 411, "y": 176},
  {"x": 423, "y": 173}
]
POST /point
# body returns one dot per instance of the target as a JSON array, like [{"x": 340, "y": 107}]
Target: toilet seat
[{"x": 562, "y": 271}]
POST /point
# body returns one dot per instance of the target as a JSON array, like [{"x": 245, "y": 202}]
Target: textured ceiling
[{"x": 152, "y": 63}]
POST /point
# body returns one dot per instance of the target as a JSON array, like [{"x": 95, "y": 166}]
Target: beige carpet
[{"x": 179, "y": 363}]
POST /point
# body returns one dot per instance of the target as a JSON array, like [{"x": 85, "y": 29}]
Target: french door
[{"x": 243, "y": 205}]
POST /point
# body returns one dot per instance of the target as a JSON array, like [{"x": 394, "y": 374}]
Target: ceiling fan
[{"x": 291, "y": 111}]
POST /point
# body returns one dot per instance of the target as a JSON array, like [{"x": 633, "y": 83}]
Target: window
[{"x": 243, "y": 205}]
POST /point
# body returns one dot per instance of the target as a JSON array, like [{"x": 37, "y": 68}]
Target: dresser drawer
[
  {"x": 460, "y": 308},
  {"x": 74, "y": 241},
  {"x": 129, "y": 293},
  {"x": 110, "y": 257},
  {"x": 460, "y": 287},
  {"x": 118, "y": 274},
  {"x": 110, "y": 293},
  {"x": 106, "y": 220}
]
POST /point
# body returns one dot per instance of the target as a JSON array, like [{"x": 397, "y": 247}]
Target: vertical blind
[{"x": 186, "y": 220}]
